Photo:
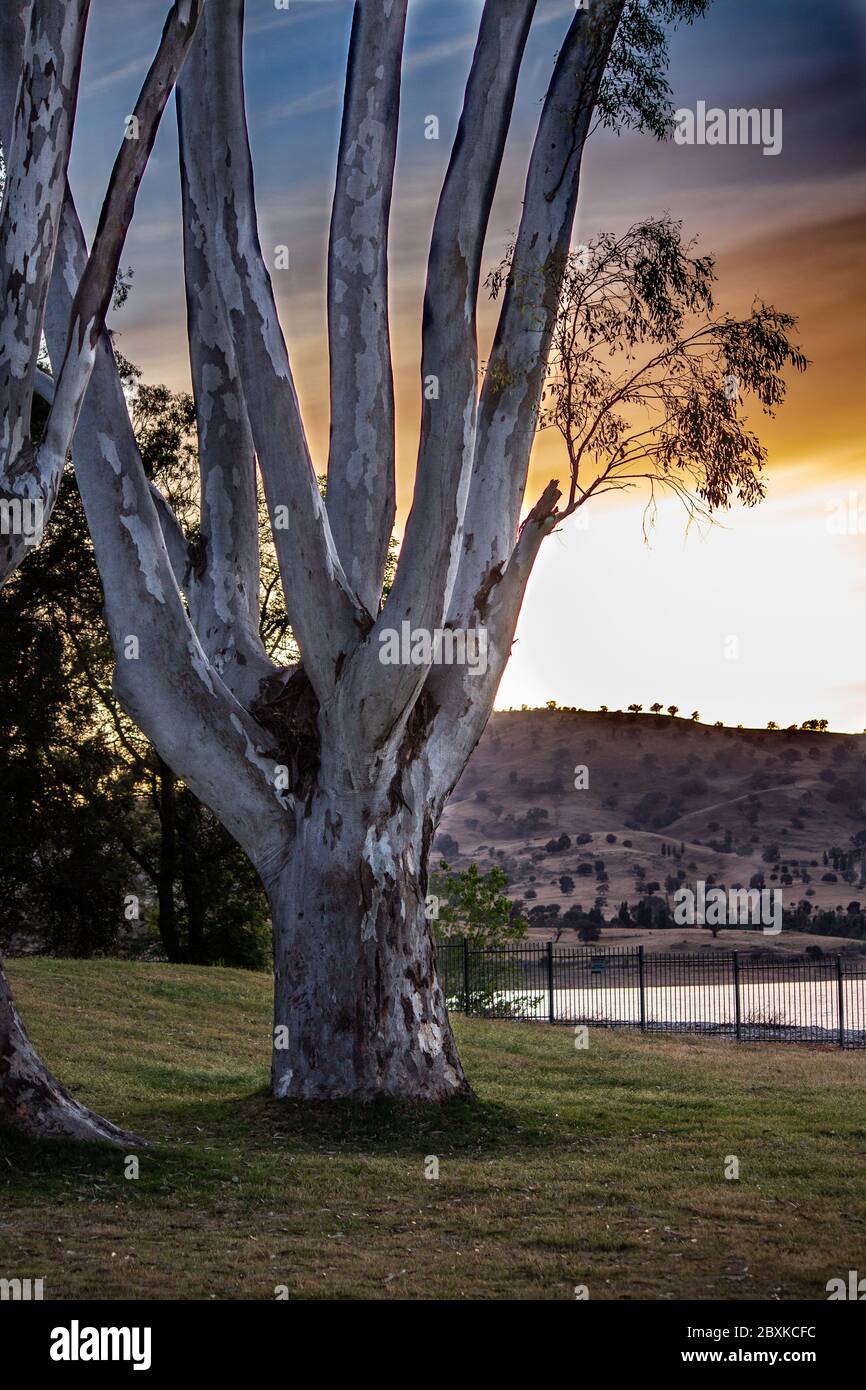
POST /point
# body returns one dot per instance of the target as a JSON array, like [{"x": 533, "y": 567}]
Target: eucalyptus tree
[
  {"x": 332, "y": 772},
  {"x": 41, "y": 43}
]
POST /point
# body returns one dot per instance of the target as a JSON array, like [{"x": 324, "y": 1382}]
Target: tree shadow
[{"x": 202, "y": 1139}]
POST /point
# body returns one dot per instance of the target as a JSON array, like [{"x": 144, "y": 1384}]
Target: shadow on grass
[{"x": 204, "y": 1141}]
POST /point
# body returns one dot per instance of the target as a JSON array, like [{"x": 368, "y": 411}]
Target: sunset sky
[{"x": 763, "y": 618}]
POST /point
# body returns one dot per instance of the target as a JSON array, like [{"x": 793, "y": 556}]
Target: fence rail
[{"x": 770, "y": 999}]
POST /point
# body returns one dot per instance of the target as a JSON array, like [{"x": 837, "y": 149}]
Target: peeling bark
[
  {"x": 41, "y": 134},
  {"x": 37, "y": 136},
  {"x": 31, "y": 1100},
  {"x": 358, "y": 1002}
]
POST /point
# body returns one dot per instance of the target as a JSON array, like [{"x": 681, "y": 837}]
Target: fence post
[
  {"x": 642, "y": 972},
  {"x": 737, "y": 1015},
  {"x": 550, "y": 1012},
  {"x": 466, "y": 975},
  {"x": 840, "y": 994}
]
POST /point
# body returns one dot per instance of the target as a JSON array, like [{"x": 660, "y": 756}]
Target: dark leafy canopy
[
  {"x": 86, "y": 795},
  {"x": 94, "y": 815},
  {"x": 647, "y": 382},
  {"x": 64, "y": 869}
]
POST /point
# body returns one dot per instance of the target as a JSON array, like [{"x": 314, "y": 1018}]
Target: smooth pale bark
[
  {"x": 41, "y": 134},
  {"x": 44, "y": 40},
  {"x": 510, "y": 396},
  {"x": 31, "y": 1100},
  {"x": 222, "y": 579},
  {"x": 463, "y": 701},
  {"x": 361, "y": 486},
  {"x": 449, "y": 356},
  {"x": 169, "y": 688},
  {"x": 96, "y": 286},
  {"x": 326, "y": 615}
]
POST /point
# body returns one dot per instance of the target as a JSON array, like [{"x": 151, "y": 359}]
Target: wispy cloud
[{"x": 113, "y": 77}]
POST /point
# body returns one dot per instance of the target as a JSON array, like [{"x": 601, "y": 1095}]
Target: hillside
[{"x": 666, "y": 798}]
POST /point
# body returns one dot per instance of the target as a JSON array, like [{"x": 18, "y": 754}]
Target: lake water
[{"x": 798, "y": 1007}]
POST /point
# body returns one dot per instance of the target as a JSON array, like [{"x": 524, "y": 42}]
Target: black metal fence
[{"x": 752, "y": 998}]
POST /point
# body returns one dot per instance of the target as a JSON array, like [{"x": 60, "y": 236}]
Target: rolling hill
[{"x": 660, "y": 799}]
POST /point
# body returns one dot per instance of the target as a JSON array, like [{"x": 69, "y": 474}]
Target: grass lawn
[{"x": 602, "y": 1167}]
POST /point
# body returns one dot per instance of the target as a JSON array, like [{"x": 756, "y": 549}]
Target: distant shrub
[
  {"x": 694, "y": 786},
  {"x": 447, "y": 845},
  {"x": 556, "y": 846}
]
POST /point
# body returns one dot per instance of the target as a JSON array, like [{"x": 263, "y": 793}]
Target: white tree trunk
[
  {"x": 40, "y": 57},
  {"x": 30, "y": 1098},
  {"x": 359, "y": 1011}
]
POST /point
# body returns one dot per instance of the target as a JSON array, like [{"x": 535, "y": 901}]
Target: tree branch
[
  {"x": 96, "y": 286},
  {"x": 326, "y": 615},
  {"x": 462, "y": 698},
  {"x": 48, "y": 38},
  {"x": 449, "y": 365},
  {"x": 31, "y": 209},
  {"x": 162, "y": 678},
  {"x": 172, "y": 535},
  {"x": 510, "y": 396},
  {"x": 223, "y": 585},
  {"x": 361, "y": 491}
]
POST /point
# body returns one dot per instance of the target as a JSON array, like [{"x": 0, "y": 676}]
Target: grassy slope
[{"x": 602, "y": 1167}]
